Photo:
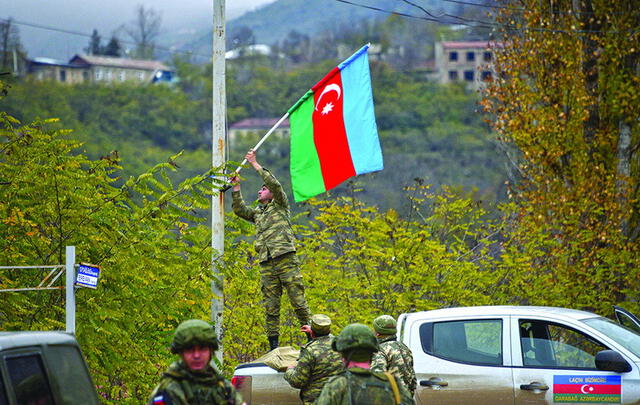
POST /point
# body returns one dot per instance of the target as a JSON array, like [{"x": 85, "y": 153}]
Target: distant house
[
  {"x": 54, "y": 70},
  {"x": 259, "y": 126},
  {"x": 100, "y": 69},
  {"x": 468, "y": 61}
]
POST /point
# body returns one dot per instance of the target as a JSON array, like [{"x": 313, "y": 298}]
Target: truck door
[
  {"x": 555, "y": 363},
  {"x": 463, "y": 362}
]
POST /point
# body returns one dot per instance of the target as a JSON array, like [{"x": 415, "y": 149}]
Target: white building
[
  {"x": 249, "y": 50},
  {"x": 468, "y": 61}
]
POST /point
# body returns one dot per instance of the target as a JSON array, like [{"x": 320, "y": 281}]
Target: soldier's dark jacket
[
  {"x": 317, "y": 363},
  {"x": 181, "y": 386},
  {"x": 396, "y": 358},
  {"x": 362, "y": 387},
  {"x": 274, "y": 235}
]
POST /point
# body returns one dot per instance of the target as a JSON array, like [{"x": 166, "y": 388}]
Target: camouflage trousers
[{"x": 276, "y": 274}]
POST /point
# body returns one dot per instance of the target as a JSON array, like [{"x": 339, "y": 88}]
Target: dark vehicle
[{"x": 43, "y": 368}]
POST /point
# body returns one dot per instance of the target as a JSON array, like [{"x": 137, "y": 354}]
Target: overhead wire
[
  {"x": 511, "y": 26},
  {"x": 487, "y": 24},
  {"x": 401, "y": 14},
  {"x": 497, "y": 7},
  {"x": 443, "y": 14},
  {"x": 422, "y": 8},
  {"x": 84, "y": 34},
  {"x": 467, "y": 3}
]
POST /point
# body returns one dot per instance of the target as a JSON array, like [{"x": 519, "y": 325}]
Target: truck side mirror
[{"x": 609, "y": 360}]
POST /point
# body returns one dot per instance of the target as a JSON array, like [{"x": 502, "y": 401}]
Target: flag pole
[
  {"x": 260, "y": 142},
  {"x": 264, "y": 138}
]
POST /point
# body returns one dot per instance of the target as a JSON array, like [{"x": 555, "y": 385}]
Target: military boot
[{"x": 273, "y": 342}]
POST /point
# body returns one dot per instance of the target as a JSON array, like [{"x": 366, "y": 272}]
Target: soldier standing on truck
[
  {"x": 358, "y": 385},
  {"x": 393, "y": 356},
  {"x": 317, "y": 361},
  {"x": 192, "y": 380},
  {"x": 275, "y": 245}
]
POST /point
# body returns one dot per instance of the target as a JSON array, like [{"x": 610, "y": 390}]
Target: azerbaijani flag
[
  {"x": 587, "y": 388},
  {"x": 333, "y": 130}
]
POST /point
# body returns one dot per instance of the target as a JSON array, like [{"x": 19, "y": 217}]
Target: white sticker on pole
[{"x": 88, "y": 275}]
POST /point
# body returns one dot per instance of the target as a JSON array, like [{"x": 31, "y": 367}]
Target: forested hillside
[
  {"x": 311, "y": 31},
  {"x": 427, "y": 131}
]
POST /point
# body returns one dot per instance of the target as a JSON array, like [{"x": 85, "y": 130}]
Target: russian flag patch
[{"x": 159, "y": 400}]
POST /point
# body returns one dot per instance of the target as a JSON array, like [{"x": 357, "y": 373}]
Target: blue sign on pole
[{"x": 88, "y": 275}]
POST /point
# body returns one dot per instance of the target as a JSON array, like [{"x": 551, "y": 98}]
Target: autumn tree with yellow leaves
[{"x": 565, "y": 102}]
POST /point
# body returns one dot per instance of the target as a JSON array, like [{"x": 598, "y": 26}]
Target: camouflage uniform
[
  {"x": 359, "y": 386},
  {"x": 181, "y": 386},
  {"x": 317, "y": 362},
  {"x": 393, "y": 356},
  {"x": 275, "y": 245},
  {"x": 396, "y": 358}
]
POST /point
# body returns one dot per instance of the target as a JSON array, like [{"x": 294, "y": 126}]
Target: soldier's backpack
[{"x": 381, "y": 391}]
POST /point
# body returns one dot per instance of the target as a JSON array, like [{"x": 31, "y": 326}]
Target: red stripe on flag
[
  {"x": 586, "y": 389},
  {"x": 329, "y": 135}
]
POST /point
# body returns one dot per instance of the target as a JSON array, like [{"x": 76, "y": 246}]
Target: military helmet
[
  {"x": 355, "y": 337},
  {"x": 320, "y": 324},
  {"x": 385, "y": 325},
  {"x": 194, "y": 332}
]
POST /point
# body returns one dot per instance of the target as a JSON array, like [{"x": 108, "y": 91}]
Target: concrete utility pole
[{"x": 218, "y": 149}]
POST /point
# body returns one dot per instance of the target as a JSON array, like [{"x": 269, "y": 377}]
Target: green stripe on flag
[
  {"x": 299, "y": 102},
  {"x": 306, "y": 174}
]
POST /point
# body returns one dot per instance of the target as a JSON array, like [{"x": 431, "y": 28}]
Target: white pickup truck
[{"x": 501, "y": 355}]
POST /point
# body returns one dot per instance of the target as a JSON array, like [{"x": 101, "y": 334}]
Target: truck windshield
[{"x": 620, "y": 334}]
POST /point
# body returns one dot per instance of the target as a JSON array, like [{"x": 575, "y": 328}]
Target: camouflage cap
[
  {"x": 320, "y": 324},
  {"x": 194, "y": 332},
  {"x": 385, "y": 325},
  {"x": 355, "y": 337}
]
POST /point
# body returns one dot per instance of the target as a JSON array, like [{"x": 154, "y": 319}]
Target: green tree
[
  {"x": 113, "y": 48},
  {"x": 95, "y": 44},
  {"x": 145, "y": 235}
]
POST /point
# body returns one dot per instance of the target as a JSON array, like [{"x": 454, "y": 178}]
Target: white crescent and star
[
  {"x": 328, "y": 107},
  {"x": 585, "y": 388}
]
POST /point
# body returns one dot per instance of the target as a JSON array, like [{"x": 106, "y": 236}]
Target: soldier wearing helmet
[
  {"x": 317, "y": 362},
  {"x": 358, "y": 385},
  {"x": 192, "y": 380},
  {"x": 393, "y": 356}
]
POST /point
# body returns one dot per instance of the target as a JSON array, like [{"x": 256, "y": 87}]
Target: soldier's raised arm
[
  {"x": 239, "y": 207},
  {"x": 279, "y": 196}
]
